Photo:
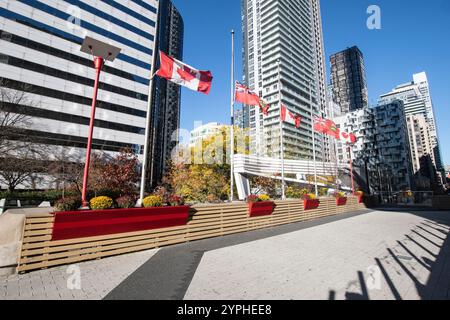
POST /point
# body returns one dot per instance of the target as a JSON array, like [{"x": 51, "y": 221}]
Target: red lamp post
[{"x": 101, "y": 52}]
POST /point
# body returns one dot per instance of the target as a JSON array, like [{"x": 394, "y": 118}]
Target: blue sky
[{"x": 414, "y": 38}]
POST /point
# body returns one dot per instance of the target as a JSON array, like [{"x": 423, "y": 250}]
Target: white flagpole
[
  {"x": 148, "y": 122},
  {"x": 283, "y": 182},
  {"x": 314, "y": 139},
  {"x": 232, "y": 120}
]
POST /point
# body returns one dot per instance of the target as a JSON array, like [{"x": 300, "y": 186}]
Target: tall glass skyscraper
[
  {"x": 285, "y": 36},
  {"x": 165, "y": 117},
  {"x": 348, "y": 77},
  {"x": 40, "y": 55}
]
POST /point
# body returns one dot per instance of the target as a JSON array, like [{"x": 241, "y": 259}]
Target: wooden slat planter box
[
  {"x": 310, "y": 204},
  {"x": 81, "y": 224},
  {"x": 262, "y": 208},
  {"x": 206, "y": 221},
  {"x": 341, "y": 201}
]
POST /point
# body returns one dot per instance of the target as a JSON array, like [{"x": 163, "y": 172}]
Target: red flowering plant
[
  {"x": 339, "y": 194},
  {"x": 175, "y": 200},
  {"x": 168, "y": 197},
  {"x": 126, "y": 202},
  {"x": 253, "y": 198},
  {"x": 309, "y": 196}
]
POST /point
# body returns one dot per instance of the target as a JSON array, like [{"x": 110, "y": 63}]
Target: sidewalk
[{"x": 363, "y": 255}]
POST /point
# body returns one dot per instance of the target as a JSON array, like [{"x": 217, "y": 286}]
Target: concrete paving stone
[
  {"x": 97, "y": 277},
  {"x": 377, "y": 237},
  {"x": 323, "y": 261}
]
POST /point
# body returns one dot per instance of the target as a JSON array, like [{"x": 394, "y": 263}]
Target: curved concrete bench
[{"x": 11, "y": 233}]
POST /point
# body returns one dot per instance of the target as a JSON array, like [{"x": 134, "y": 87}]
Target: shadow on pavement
[
  {"x": 168, "y": 274},
  {"x": 437, "y": 286}
]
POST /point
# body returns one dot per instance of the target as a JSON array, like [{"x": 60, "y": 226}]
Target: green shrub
[
  {"x": 323, "y": 192},
  {"x": 101, "y": 203},
  {"x": 153, "y": 201},
  {"x": 68, "y": 204},
  {"x": 296, "y": 192},
  {"x": 49, "y": 195}
]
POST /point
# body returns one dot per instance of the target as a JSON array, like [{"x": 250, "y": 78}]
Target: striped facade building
[
  {"x": 40, "y": 54},
  {"x": 285, "y": 37}
]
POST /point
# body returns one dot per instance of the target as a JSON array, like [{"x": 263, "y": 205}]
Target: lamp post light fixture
[{"x": 101, "y": 51}]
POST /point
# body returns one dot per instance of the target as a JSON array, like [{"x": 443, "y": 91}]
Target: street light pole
[
  {"x": 98, "y": 63},
  {"x": 101, "y": 51}
]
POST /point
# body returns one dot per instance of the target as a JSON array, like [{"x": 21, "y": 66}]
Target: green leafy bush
[
  {"x": 323, "y": 192},
  {"x": 295, "y": 192},
  {"x": 68, "y": 204},
  {"x": 49, "y": 195}
]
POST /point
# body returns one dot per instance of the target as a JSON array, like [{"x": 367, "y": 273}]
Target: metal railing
[{"x": 410, "y": 199}]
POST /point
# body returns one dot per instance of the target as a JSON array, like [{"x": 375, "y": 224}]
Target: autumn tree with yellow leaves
[{"x": 204, "y": 175}]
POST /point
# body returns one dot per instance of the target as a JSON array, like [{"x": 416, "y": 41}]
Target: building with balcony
[
  {"x": 381, "y": 155},
  {"x": 284, "y": 61},
  {"x": 417, "y": 101}
]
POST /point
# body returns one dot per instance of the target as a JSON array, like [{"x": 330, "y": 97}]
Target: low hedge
[
  {"x": 68, "y": 204},
  {"x": 50, "y": 195}
]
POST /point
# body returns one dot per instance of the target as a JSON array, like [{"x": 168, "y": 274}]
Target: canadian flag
[
  {"x": 245, "y": 95},
  {"x": 184, "y": 75},
  {"x": 347, "y": 137},
  {"x": 319, "y": 124},
  {"x": 289, "y": 117}
]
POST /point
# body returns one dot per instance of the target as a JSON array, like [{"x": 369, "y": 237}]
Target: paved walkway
[
  {"x": 91, "y": 280},
  {"x": 364, "y": 255}
]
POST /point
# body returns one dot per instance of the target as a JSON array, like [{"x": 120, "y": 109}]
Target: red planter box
[
  {"x": 81, "y": 224},
  {"x": 262, "y": 208},
  {"x": 360, "y": 199},
  {"x": 341, "y": 201},
  {"x": 310, "y": 204}
]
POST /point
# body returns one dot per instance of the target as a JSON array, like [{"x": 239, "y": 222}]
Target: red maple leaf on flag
[{"x": 186, "y": 74}]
